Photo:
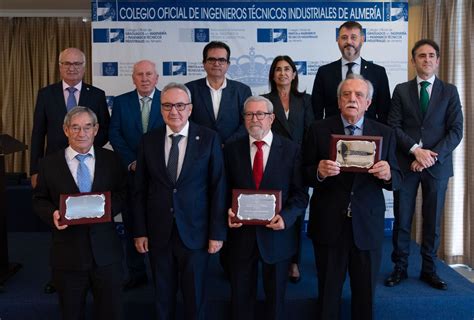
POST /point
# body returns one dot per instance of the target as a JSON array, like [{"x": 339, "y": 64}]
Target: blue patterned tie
[
  {"x": 173, "y": 157},
  {"x": 71, "y": 98},
  {"x": 84, "y": 181},
  {"x": 352, "y": 128}
]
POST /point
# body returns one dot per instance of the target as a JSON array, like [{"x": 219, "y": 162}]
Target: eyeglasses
[
  {"x": 211, "y": 60},
  {"x": 87, "y": 128},
  {"x": 259, "y": 115},
  {"x": 67, "y": 64},
  {"x": 180, "y": 106}
]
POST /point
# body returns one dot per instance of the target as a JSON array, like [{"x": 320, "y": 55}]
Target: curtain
[
  {"x": 450, "y": 24},
  {"x": 30, "y": 49}
]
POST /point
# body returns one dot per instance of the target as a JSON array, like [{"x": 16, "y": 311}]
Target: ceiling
[{"x": 44, "y": 7}]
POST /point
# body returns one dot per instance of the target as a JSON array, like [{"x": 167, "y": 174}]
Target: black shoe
[
  {"x": 433, "y": 280},
  {"x": 49, "y": 288},
  {"x": 397, "y": 276},
  {"x": 135, "y": 282}
]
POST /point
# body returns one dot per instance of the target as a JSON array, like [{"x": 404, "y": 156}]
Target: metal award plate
[
  {"x": 355, "y": 153},
  {"x": 255, "y": 207},
  {"x": 85, "y": 208}
]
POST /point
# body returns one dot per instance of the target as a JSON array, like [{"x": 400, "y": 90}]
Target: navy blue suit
[
  {"x": 179, "y": 219},
  {"x": 48, "y": 119},
  {"x": 83, "y": 249},
  {"x": 337, "y": 238},
  {"x": 249, "y": 243},
  {"x": 328, "y": 77},
  {"x": 125, "y": 133},
  {"x": 440, "y": 130},
  {"x": 229, "y": 123}
]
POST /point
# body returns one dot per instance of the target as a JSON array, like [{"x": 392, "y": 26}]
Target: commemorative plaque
[
  {"x": 355, "y": 153},
  {"x": 255, "y": 207},
  {"x": 84, "y": 208}
]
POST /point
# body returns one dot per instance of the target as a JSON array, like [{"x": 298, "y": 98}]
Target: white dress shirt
[
  {"x": 73, "y": 163},
  {"x": 355, "y": 68},
  {"x": 268, "y": 139},
  {"x": 216, "y": 96}
]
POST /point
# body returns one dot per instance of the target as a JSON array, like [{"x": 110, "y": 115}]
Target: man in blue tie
[
  {"x": 180, "y": 212},
  {"x": 52, "y": 104},
  {"x": 427, "y": 117},
  {"x": 347, "y": 209},
  {"x": 134, "y": 113},
  {"x": 89, "y": 256}
]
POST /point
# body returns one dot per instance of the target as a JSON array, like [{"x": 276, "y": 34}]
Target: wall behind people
[{"x": 29, "y": 51}]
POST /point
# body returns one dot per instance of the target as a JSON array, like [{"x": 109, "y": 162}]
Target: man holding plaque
[
  {"x": 346, "y": 222},
  {"x": 88, "y": 255},
  {"x": 263, "y": 163},
  {"x": 427, "y": 118},
  {"x": 180, "y": 213}
]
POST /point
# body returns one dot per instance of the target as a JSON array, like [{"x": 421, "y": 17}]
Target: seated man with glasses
[
  {"x": 52, "y": 104},
  {"x": 218, "y": 102}
]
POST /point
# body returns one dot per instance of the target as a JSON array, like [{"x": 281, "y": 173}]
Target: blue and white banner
[{"x": 173, "y": 34}]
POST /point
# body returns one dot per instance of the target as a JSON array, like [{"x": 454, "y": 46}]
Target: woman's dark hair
[{"x": 294, "y": 82}]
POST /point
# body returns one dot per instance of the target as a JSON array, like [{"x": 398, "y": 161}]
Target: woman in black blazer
[{"x": 293, "y": 116}]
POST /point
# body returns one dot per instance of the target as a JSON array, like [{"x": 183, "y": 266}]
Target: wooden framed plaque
[
  {"x": 355, "y": 153},
  {"x": 85, "y": 208},
  {"x": 255, "y": 207}
]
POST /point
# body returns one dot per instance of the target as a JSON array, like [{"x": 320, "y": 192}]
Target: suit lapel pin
[{"x": 197, "y": 138}]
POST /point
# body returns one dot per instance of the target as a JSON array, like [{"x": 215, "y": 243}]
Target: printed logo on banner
[
  {"x": 301, "y": 67},
  {"x": 396, "y": 11},
  {"x": 108, "y": 35},
  {"x": 251, "y": 69},
  {"x": 104, "y": 11},
  {"x": 201, "y": 35},
  {"x": 272, "y": 35},
  {"x": 106, "y": 69},
  {"x": 174, "y": 68}
]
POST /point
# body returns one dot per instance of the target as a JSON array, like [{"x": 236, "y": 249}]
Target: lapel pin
[{"x": 197, "y": 138}]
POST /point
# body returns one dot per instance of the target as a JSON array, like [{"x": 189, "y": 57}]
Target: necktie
[
  {"x": 84, "y": 181},
  {"x": 146, "y": 107},
  {"x": 352, "y": 128},
  {"x": 258, "y": 164},
  {"x": 424, "y": 96},
  {"x": 173, "y": 157},
  {"x": 349, "y": 68},
  {"x": 71, "y": 98}
]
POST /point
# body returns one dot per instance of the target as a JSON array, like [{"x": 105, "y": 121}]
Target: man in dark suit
[
  {"x": 218, "y": 101},
  {"x": 134, "y": 113},
  {"x": 324, "y": 96},
  {"x": 180, "y": 215},
  {"x": 87, "y": 256},
  {"x": 275, "y": 243},
  {"x": 52, "y": 104},
  {"x": 346, "y": 222},
  {"x": 427, "y": 117}
]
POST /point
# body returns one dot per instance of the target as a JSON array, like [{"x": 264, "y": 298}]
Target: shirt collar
[
  {"x": 77, "y": 86},
  {"x": 71, "y": 153},
  {"x": 357, "y": 61},
  {"x": 224, "y": 84},
  {"x": 267, "y": 139},
  {"x": 150, "y": 96},
  {"x": 359, "y": 124},
  {"x": 184, "y": 132},
  {"x": 430, "y": 80}
]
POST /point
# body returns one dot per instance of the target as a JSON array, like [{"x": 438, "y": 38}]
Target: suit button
[
  {"x": 175, "y": 190},
  {"x": 171, "y": 209},
  {"x": 352, "y": 193}
]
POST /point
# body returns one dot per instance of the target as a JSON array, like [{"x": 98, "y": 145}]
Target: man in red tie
[{"x": 263, "y": 161}]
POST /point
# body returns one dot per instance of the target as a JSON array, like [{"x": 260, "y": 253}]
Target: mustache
[{"x": 349, "y": 45}]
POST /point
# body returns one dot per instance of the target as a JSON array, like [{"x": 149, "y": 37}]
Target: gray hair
[
  {"x": 71, "y": 49},
  {"x": 175, "y": 85},
  {"x": 147, "y": 61},
  {"x": 354, "y": 76},
  {"x": 259, "y": 99},
  {"x": 77, "y": 110}
]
